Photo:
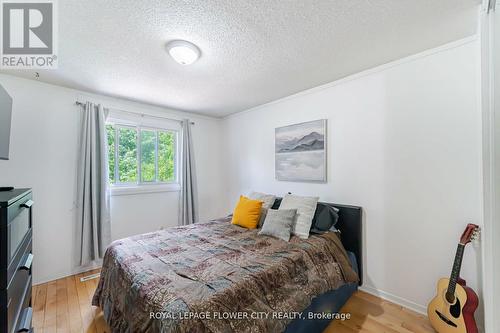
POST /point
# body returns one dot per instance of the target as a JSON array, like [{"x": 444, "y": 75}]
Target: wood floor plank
[
  {"x": 62, "y": 313},
  {"x": 341, "y": 328},
  {"x": 71, "y": 298},
  {"x": 75, "y": 317},
  {"x": 50, "y": 316},
  {"x": 39, "y": 303},
  {"x": 370, "y": 324}
]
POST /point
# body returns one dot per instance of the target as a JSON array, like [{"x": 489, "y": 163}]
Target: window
[{"x": 141, "y": 155}]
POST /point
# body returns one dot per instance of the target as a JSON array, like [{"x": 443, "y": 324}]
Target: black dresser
[{"x": 15, "y": 260}]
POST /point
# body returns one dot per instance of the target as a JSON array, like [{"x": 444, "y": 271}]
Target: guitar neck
[{"x": 455, "y": 272}]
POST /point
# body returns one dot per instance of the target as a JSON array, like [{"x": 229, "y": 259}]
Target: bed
[{"x": 219, "y": 277}]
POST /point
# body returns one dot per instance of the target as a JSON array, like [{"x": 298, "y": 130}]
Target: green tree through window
[
  {"x": 127, "y": 155},
  {"x": 148, "y": 155},
  {"x": 155, "y": 148},
  {"x": 166, "y": 157}
]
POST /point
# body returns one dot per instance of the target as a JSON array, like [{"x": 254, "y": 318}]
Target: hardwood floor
[
  {"x": 371, "y": 314},
  {"x": 64, "y": 305}
]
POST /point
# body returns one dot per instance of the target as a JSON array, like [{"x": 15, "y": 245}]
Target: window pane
[
  {"x": 127, "y": 155},
  {"x": 110, "y": 129},
  {"x": 148, "y": 156},
  {"x": 166, "y": 156}
]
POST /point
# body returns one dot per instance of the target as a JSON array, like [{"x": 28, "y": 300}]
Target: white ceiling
[{"x": 253, "y": 51}]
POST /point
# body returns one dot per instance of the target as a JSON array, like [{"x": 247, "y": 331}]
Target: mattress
[{"x": 216, "y": 277}]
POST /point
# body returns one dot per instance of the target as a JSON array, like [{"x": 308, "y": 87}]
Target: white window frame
[{"x": 138, "y": 187}]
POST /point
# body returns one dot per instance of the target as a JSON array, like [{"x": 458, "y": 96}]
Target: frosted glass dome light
[{"x": 183, "y": 52}]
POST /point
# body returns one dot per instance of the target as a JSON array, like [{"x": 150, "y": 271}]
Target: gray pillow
[
  {"x": 306, "y": 206},
  {"x": 267, "y": 199},
  {"x": 279, "y": 223},
  {"x": 267, "y": 203}
]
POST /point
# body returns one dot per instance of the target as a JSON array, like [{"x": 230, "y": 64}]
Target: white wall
[
  {"x": 404, "y": 142},
  {"x": 43, "y": 156}
]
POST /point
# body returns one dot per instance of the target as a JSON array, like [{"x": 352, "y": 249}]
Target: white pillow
[
  {"x": 268, "y": 202},
  {"x": 306, "y": 207}
]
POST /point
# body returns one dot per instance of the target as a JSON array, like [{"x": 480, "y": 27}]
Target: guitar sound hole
[{"x": 455, "y": 309}]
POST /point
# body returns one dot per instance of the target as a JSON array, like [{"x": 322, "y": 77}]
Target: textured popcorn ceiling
[{"x": 253, "y": 51}]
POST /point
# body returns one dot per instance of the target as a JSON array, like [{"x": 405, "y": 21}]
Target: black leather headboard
[{"x": 350, "y": 225}]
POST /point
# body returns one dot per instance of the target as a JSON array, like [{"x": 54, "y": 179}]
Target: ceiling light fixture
[{"x": 183, "y": 52}]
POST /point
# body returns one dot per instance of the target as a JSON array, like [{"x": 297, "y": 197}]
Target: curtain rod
[{"x": 140, "y": 114}]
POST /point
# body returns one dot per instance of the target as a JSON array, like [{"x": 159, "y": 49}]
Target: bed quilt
[{"x": 216, "y": 277}]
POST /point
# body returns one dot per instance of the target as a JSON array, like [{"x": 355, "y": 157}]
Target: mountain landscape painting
[{"x": 300, "y": 152}]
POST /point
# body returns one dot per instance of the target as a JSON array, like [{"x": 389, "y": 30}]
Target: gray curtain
[
  {"x": 189, "y": 194},
  {"x": 93, "y": 229}
]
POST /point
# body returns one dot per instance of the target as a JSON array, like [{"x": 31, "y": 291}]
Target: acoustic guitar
[{"x": 452, "y": 310}]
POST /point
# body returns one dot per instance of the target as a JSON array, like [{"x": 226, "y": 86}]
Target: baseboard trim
[{"x": 395, "y": 299}]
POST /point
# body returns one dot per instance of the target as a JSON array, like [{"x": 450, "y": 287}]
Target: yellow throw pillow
[{"x": 247, "y": 213}]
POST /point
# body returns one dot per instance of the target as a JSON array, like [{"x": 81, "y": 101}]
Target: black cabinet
[{"x": 16, "y": 258}]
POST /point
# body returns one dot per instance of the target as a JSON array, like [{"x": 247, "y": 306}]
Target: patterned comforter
[{"x": 215, "y": 277}]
